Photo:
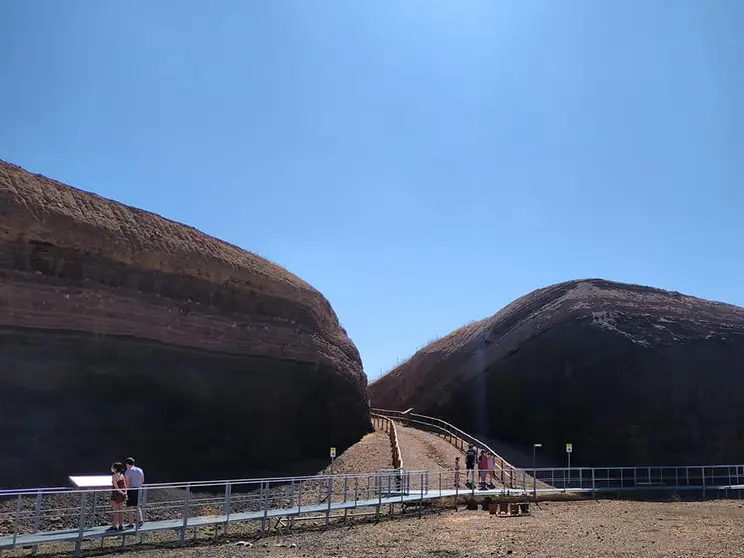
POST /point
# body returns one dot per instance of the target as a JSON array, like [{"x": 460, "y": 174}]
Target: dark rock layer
[
  {"x": 124, "y": 333},
  {"x": 630, "y": 375}
]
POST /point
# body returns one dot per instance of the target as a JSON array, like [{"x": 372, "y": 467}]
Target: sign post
[
  {"x": 333, "y": 456},
  {"x": 569, "y": 451}
]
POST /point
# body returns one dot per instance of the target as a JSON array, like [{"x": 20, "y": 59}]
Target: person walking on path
[
  {"x": 491, "y": 470},
  {"x": 483, "y": 469},
  {"x": 470, "y": 456},
  {"x": 118, "y": 496},
  {"x": 135, "y": 479}
]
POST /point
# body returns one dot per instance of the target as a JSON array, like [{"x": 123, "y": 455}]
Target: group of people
[
  {"x": 485, "y": 462},
  {"x": 126, "y": 481}
]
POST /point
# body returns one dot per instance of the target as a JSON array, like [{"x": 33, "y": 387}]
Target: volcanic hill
[
  {"x": 630, "y": 375},
  {"x": 125, "y": 333}
]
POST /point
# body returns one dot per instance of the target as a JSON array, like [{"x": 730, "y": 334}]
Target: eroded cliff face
[
  {"x": 630, "y": 375},
  {"x": 124, "y": 333}
]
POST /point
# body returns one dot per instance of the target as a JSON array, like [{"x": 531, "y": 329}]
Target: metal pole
[
  {"x": 594, "y": 486},
  {"x": 228, "y": 505},
  {"x": 356, "y": 491},
  {"x": 330, "y": 499},
  {"x": 379, "y": 505},
  {"x": 265, "y": 507},
  {"x": 185, "y": 514},
  {"x": 81, "y": 522},
  {"x": 702, "y": 473},
  {"x": 346, "y": 493},
  {"x": 16, "y": 521},
  {"x": 421, "y": 504},
  {"x": 37, "y": 515}
]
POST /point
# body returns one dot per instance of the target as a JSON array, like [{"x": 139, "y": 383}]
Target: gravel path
[
  {"x": 555, "y": 530},
  {"x": 422, "y": 451},
  {"x": 368, "y": 455}
]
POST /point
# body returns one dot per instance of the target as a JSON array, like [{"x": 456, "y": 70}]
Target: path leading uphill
[
  {"x": 368, "y": 455},
  {"x": 422, "y": 451}
]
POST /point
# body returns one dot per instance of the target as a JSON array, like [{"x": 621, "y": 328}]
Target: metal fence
[
  {"x": 508, "y": 474},
  {"x": 29, "y": 518},
  {"x": 32, "y": 517}
]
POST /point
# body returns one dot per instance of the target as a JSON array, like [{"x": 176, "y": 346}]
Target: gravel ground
[
  {"x": 370, "y": 454},
  {"x": 422, "y": 451},
  {"x": 556, "y": 529}
]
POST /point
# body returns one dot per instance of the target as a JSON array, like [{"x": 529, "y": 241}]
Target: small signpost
[
  {"x": 569, "y": 451},
  {"x": 333, "y": 456}
]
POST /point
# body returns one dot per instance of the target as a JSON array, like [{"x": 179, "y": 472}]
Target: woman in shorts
[{"x": 118, "y": 495}]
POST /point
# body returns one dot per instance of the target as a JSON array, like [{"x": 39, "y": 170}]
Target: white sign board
[
  {"x": 91, "y": 481},
  {"x": 569, "y": 448},
  {"x": 333, "y": 453}
]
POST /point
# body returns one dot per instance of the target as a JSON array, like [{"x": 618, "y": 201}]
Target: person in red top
[{"x": 483, "y": 469}]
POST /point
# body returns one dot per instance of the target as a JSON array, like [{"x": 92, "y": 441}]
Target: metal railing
[
  {"x": 460, "y": 439},
  {"x": 29, "y": 518}
]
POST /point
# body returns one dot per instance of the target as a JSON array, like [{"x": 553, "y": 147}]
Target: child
[
  {"x": 457, "y": 472},
  {"x": 483, "y": 469}
]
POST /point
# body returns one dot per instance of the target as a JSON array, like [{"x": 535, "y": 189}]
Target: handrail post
[
  {"x": 421, "y": 503},
  {"x": 16, "y": 521},
  {"x": 594, "y": 485},
  {"x": 228, "y": 505},
  {"x": 299, "y": 500},
  {"x": 379, "y": 501},
  {"x": 702, "y": 475},
  {"x": 37, "y": 516},
  {"x": 346, "y": 494},
  {"x": 81, "y": 522},
  {"x": 356, "y": 491},
  {"x": 185, "y": 523},
  {"x": 265, "y": 504},
  {"x": 330, "y": 499}
]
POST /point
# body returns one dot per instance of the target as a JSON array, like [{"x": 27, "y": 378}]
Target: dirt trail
[
  {"x": 368, "y": 455},
  {"x": 424, "y": 451}
]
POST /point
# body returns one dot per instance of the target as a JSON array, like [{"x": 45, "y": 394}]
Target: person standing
[
  {"x": 118, "y": 495},
  {"x": 483, "y": 469},
  {"x": 470, "y": 456},
  {"x": 135, "y": 479},
  {"x": 491, "y": 470}
]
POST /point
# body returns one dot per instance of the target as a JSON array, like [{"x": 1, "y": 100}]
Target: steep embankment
[
  {"x": 628, "y": 374},
  {"x": 126, "y": 333}
]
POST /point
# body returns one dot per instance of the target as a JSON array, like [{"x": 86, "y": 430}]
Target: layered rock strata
[
  {"x": 630, "y": 375},
  {"x": 122, "y": 332}
]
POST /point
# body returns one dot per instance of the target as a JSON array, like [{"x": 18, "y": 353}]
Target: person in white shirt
[{"x": 135, "y": 479}]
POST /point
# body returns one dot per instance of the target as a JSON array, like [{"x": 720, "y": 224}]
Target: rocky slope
[
  {"x": 125, "y": 333},
  {"x": 628, "y": 374}
]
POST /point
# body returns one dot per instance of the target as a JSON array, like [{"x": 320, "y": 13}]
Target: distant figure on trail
[
  {"x": 491, "y": 470},
  {"x": 483, "y": 469},
  {"x": 118, "y": 496},
  {"x": 457, "y": 472},
  {"x": 470, "y": 456},
  {"x": 135, "y": 479}
]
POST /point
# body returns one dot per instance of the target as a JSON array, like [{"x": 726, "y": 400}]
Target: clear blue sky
[{"x": 421, "y": 162}]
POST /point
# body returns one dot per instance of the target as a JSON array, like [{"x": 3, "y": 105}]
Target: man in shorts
[
  {"x": 135, "y": 479},
  {"x": 470, "y": 457}
]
